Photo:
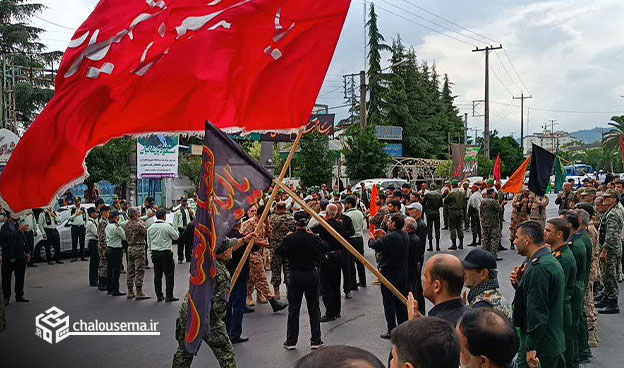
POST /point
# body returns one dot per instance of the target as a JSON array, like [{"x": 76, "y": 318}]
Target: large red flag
[
  {"x": 373, "y": 201},
  {"x": 497, "y": 168},
  {"x": 168, "y": 66}
]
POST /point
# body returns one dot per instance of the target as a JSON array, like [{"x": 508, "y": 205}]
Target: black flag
[{"x": 541, "y": 168}]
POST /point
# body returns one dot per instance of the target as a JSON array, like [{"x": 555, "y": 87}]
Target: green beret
[
  {"x": 490, "y": 181},
  {"x": 454, "y": 182}
]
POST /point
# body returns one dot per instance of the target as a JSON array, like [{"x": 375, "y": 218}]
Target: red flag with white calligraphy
[{"x": 135, "y": 67}]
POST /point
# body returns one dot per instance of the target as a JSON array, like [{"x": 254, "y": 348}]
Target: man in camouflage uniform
[
  {"x": 103, "y": 265},
  {"x": 467, "y": 194},
  {"x": 446, "y": 190},
  {"x": 432, "y": 201},
  {"x": 565, "y": 198},
  {"x": 217, "y": 339},
  {"x": 480, "y": 277},
  {"x": 455, "y": 205},
  {"x": 490, "y": 213},
  {"x": 611, "y": 242},
  {"x": 281, "y": 223},
  {"x": 135, "y": 236},
  {"x": 519, "y": 212},
  {"x": 538, "y": 208}
]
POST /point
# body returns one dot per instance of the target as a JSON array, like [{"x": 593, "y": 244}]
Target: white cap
[{"x": 415, "y": 206}]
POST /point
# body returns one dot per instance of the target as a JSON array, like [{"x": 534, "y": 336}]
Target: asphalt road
[{"x": 65, "y": 286}]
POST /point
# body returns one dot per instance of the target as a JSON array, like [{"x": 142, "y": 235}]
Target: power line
[
  {"x": 422, "y": 25},
  {"x": 338, "y": 107},
  {"x": 330, "y": 92},
  {"x": 564, "y": 111},
  {"x": 514, "y": 69},
  {"x": 501, "y": 82},
  {"x": 52, "y": 23},
  {"x": 506, "y": 72},
  {"x": 450, "y": 21}
]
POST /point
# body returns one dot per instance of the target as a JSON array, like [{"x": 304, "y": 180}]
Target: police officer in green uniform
[
  {"x": 557, "y": 234},
  {"x": 455, "y": 203},
  {"x": 538, "y": 302},
  {"x": 432, "y": 201}
]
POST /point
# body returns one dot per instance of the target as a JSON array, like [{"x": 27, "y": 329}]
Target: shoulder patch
[
  {"x": 535, "y": 260},
  {"x": 557, "y": 254}
]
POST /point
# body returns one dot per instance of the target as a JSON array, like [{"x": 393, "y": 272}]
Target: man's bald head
[{"x": 447, "y": 269}]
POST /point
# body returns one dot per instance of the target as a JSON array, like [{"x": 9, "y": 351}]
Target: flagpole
[
  {"x": 342, "y": 241},
  {"x": 267, "y": 208}
]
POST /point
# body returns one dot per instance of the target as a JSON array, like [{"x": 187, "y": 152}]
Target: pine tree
[
  {"x": 364, "y": 155},
  {"x": 314, "y": 161},
  {"x": 376, "y": 82},
  {"x": 455, "y": 124}
]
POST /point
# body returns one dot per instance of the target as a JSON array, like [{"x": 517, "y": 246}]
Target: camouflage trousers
[
  {"x": 279, "y": 264},
  {"x": 515, "y": 221},
  {"x": 456, "y": 225},
  {"x": 217, "y": 340},
  {"x": 257, "y": 277},
  {"x": 136, "y": 267},
  {"x": 433, "y": 224},
  {"x": 491, "y": 238},
  {"x": 103, "y": 265},
  {"x": 610, "y": 277}
]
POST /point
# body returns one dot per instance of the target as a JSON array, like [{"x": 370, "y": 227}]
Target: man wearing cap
[
  {"x": 415, "y": 211},
  {"x": 415, "y": 260},
  {"x": 148, "y": 216},
  {"x": 611, "y": 242},
  {"x": 324, "y": 193},
  {"x": 91, "y": 229},
  {"x": 432, "y": 201},
  {"x": 182, "y": 218},
  {"x": 538, "y": 204},
  {"x": 135, "y": 235},
  {"x": 465, "y": 186},
  {"x": 454, "y": 202},
  {"x": 30, "y": 234},
  {"x": 116, "y": 206},
  {"x": 114, "y": 252},
  {"x": 357, "y": 240},
  {"x": 490, "y": 212},
  {"x": 78, "y": 219},
  {"x": 160, "y": 237},
  {"x": 303, "y": 251},
  {"x": 565, "y": 199},
  {"x": 446, "y": 190},
  {"x": 48, "y": 221},
  {"x": 480, "y": 276},
  {"x": 103, "y": 262},
  {"x": 520, "y": 209},
  {"x": 474, "y": 204},
  {"x": 282, "y": 223},
  {"x": 217, "y": 339},
  {"x": 15, "y": 255}
]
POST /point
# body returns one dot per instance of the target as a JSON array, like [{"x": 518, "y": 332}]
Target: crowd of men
[{"x": 572, "y": 268}]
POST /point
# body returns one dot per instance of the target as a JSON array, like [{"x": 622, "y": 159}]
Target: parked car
[
  {"x": 64, "y": 230},
  {"x": 382, "y": 182}
]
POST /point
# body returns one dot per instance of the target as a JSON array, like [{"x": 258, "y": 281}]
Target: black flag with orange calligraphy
[{"x": 230, "y": 182}]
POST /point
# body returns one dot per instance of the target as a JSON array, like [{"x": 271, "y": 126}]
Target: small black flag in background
[{"x": 541, "y": 168}]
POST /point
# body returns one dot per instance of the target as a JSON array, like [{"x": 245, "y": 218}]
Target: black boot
[
  {"x": 277, "y": 306},
  {"x": 501, "y": 248},
  {"x": 461, "y": 243},
  {"x": 611, "y": 307},
  {"x": 102, "y": 284},
  {"x": 430, "y": 245},
  {"x": 454, "y": 247},
  {"x": 438, "y": 244},
  {"x": 602, "y": 302},
  {"x": 474, "y": 242},
  {"x": 599, "y": 297}
]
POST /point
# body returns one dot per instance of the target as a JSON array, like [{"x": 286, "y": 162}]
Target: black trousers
[
  {"x": 163, "y": 264},
  {"x": 53, "y": 240},
  {"x": 185, "y": 245},
  {"x": 433, "y": 222},
  {"x": 303, "y": 283},
  {"x": 348, "y": 268},
  {"x": 78, "y": 235},
  {"x": 414, "y": 283},
  {"x": 113, "y": 258},
  {"x": 330, "y": 282},
  {"x": 358, "y": 244},
  {"x": 30, "y": 245},
  {"x": 8, "y": 268},
  {"x": 394, "y": 310},
  {"x": 94, "y": 261}
]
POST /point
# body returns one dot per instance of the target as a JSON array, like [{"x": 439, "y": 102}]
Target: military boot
[
  {"x": 140, "y": 296},
  {"x": 102, "y": 284},
  {"x": 599, "y": 297},
  {"x": 438, "y": 244},
  {"x": 602, "y": 302},
  {"x": 130, "y": 293},
  {"x": 454, "y": 247},
  {"x": 474, "y": 242},
  {"x": 276, "y": 292},
  {"x": 277, "y": 306},
  {"x": 461, "y": 243},
  {"x": 594, "y": 341},
  {"x": 430, "y": 245},
  {"x": 611, "y": 307}
]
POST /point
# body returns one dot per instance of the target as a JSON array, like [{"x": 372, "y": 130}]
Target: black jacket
[
  {"x": 302, "y": 249},
  {"x": 393, "y": 252},
  {"x": 450, "y": 311},
  {"x": 332, "y": 243},
  {"x": 13, "y": 242},
  {"x": 421, "y": 231},
  {"x": 347, "y": 226},
  {"x": 414, "y": 258}
]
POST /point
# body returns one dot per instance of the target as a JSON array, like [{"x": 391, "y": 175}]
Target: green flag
[{"x": 560, "y": 175}]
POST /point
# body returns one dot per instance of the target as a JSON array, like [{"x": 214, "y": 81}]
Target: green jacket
[
  {"x": 589, "y": 246},
  {"x": 538, "y": 305},
  {"x": 455, "y": 200},
  {"x": 432, "y": 201},
  {"x": 566, "y": 258},
  {"x": 577, "y": 245}
]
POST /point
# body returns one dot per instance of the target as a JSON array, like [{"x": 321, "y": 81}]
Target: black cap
[
  {"x": 301, "y": 218},
  {"x": 91, "y": 210},
  {"x": 114, "y": 214},
  {"x": 479, "y": 259},
  {"x": 405, "y": 185},
  {"x": 397, "y": 193}
]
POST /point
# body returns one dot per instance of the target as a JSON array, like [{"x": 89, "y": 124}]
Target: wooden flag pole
[
  {"x": 342, "y": 241},
  {"x": 267, "y": 207}
]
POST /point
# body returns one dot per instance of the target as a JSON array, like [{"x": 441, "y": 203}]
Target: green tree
[
  {"x": 376, "y": 82},
  {"x": 364, "y": 155},
  {"x": 611, "y": 139},
  {"x": 445, "y": 169},
  {"x": 110, "y": 162},
  {"x": 315, "y": 162},
  {"x": 509, "y": 150},
  {"x": 190, "y": 166},
  {"x": 454, "y": 124}
]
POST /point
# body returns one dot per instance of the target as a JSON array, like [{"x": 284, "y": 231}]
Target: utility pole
[
  {"x": 363, "y": 99},
  {"x": 465, "y": 128},
  {"x": 475, "y": 134},
  {"x": 552, "y": 133},
  {"x": 486, "y": 128},
  {"x": 349, "y": 81},
  {"x": 522, "y": 98}
]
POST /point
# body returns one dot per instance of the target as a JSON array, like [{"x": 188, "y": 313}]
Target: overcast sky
[{"x": 569, "y": 54}]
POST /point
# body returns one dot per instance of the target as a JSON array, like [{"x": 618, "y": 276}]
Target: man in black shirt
[
  {"x": 330, "y": 265},
  {"x": 348, "y": 262},
  {"x": 15, "y": 255},
  {"x": 302, "y": 249},
  {"x": 415, "y": 262},
  {"x": 393, "y": 252}
]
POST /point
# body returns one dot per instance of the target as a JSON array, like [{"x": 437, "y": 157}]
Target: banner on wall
[
  {"x": 157, "y": 156},
  {"x": 465, "y": 163}
]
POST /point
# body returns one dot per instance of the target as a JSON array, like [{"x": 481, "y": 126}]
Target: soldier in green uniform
[
  {"x": 432, "y": 201},
  {"x": 538, "y": 302},
  {"x": 490, "y": 213},
  {"x": 556, "y": 234},
  {"x": 455, "y": 204},
  {"x": 446, "y": 190},
  {"x": 282, "y": 223},
  {"x": 611, "y": 243},
  {"x": 217, "y": 339},
  {"x": 520, "y": 209},
  {"x": 565, "y": 199}
]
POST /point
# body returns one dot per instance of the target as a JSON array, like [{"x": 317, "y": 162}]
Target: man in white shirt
[
  {"x": 474, "y": 202},
  {"x": 92, "y": 245},
  {"x": 160, "y": 237},
  {"x": 115, "y": 235}
]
